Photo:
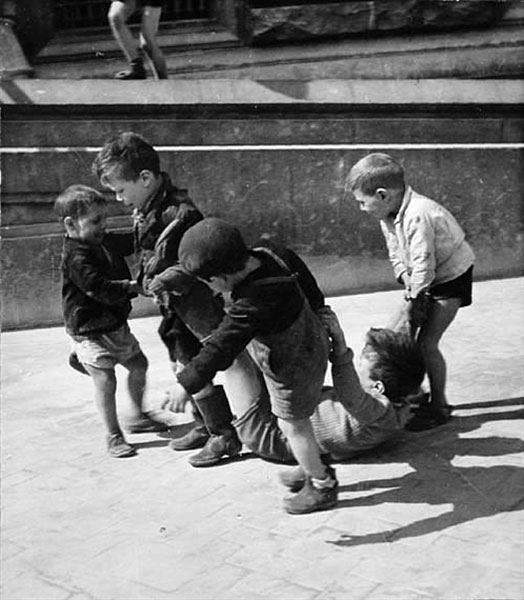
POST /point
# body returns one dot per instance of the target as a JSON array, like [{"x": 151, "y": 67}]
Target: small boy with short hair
[
  {"x": 96, "y": 296},
  {"x": 430, "y": 257},
  {"x": 130, "y": 166},
  {"x": 273, "y": 299}
]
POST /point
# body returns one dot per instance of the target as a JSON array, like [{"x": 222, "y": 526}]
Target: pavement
[{"x": 434, "y": 515}]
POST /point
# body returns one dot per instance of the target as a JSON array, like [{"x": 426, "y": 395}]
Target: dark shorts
[
  {"x": 258, "y": 430},
  {"x": 461, "y": 287}
]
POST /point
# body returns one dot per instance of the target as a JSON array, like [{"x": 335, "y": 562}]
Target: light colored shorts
[{"x": 105, "y": 350}]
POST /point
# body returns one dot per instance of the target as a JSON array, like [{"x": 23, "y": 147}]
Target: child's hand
[
  {"x": 156, "y": 286},
  {"x": 176, "y": 399},
  {"x": 135, "y": 288},
  {"x": 330, "y": 321}
]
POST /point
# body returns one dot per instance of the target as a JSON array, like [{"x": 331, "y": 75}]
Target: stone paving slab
[{"x": 432, "y": 515}]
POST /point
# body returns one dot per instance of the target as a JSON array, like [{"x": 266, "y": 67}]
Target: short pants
[
  {"x": 105, "y": 350},
  {"x": 461, "y": 287}
]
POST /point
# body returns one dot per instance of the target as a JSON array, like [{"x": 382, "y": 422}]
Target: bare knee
[
  {"x": 117, "y": 16},
  {"x": 138, "y": 364}
]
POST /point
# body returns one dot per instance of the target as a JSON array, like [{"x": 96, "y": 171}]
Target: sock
[{"x": 324, "y": 484}]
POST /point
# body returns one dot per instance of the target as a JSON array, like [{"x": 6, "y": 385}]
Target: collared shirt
[{"x": 425, "y": 242}]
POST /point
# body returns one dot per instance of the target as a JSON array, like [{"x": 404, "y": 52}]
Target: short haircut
[
  {"x": 398, "y": 362},
  {"x": 212, "y": 247},
  {"x": 375, "y": 171},
  {"x": 128, "y": 154},
  {"x": 77, "y": 200}
]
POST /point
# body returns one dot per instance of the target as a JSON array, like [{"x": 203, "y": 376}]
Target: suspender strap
[{"x": 291, "y": 278}]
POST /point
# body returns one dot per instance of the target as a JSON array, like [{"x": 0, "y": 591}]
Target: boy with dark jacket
[
  {"x": 96, "y": 295},
  {"x": 130, "y": 167},
  {"x": 274, "y": 298}
]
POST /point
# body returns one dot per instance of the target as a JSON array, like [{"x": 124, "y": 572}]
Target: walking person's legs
[
  {"x": 149, "y": 43},
  {"x": 118, "y": 15}
]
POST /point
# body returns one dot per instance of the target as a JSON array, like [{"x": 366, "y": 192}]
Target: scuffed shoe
[
  {"x": 311, "y": 499},
  {"x": 117, "y": 447},
  {"x": 195, "y": 438},
  {"x": 146, "y": 425},
  {"x": 135, "y": 71},
  {"x": 217, "y": 447},
  {"x": 294, "y": 479}
]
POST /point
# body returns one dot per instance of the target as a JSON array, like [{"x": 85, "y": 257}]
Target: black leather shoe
[
  {"x": 217, "y": 447},
  {"x": 193, "y": 439}
]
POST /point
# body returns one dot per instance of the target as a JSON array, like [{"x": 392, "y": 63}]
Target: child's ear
[
  {"x": 382, "y": 193},
  {"x": 69, "y": 224},
  {"x": 147, "y": 177},
  {"x": 379, "y": 387}
]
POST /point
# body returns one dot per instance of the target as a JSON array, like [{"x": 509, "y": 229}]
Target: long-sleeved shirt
[
  {"x": 95, "y": 283},
  {"x": 426, "y": 243},
  {"x": 266, "y": 302},
  {"x": 348, "y": 420}
]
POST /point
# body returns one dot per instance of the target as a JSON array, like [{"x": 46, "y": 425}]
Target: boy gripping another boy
[
  {"x": 273, "y": 299},
  {"x": 430, "y": 257},
  {"x": 130, "y": 167},
  {"x": 358, "y": 413},
  {"x": 96, "y": 293}
]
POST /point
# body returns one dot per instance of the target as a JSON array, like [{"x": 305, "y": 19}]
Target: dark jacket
[
  {"x": 160, "y": 225},
  {"x": 94, "y": 284},
  {"x": 266, "y": 302}
]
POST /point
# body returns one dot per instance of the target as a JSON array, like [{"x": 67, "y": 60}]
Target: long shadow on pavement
[{"x": 474, "y": 492}]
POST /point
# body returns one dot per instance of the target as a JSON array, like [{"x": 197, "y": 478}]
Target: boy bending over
[
  {"x": 272, "y": 314},
  {"x": 430, "y": 257},
  {"x": 96, "y": 298}
]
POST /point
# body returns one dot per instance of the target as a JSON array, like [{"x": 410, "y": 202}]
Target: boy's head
[
  {"x": 391, "y": 363},
  {"x": 130, "y": 167},
  {"x": 83, "y": 213},
  {"x": 377, "y": 184},
  {"x": 214, "y": 251}
]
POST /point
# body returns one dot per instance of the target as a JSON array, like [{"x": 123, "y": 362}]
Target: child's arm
[
  {"x": 421, "y": 242},
  {"x": 336, "y": 334},
  {"x": 177, "y": 219},
  {"x": 84, "y": 272}
]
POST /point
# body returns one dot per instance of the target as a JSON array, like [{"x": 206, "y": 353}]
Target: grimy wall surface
[{"x": 274, "y": 169}]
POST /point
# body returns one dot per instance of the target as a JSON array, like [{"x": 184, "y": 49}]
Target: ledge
[{"x": 238, "y": 92}]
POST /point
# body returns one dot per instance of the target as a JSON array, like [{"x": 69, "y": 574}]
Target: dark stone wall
[
  {"x": 293, "y": 195},
  {"x": 269, "y": 21}
]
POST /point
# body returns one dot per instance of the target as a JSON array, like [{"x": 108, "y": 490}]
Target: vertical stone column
[{"x": 13, "y": 62}]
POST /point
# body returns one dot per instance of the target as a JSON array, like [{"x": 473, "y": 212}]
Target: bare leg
[
  {"x": 136, "y": 382},
  {"x": 299, "y": 433},
  {"x": 119, "y": 13},
  {"x": 105, "y": 390},
  {"x": 148, "y": 40},
  {"x": 242, "y": 384},
  {"x": 440, "y": 316}
]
